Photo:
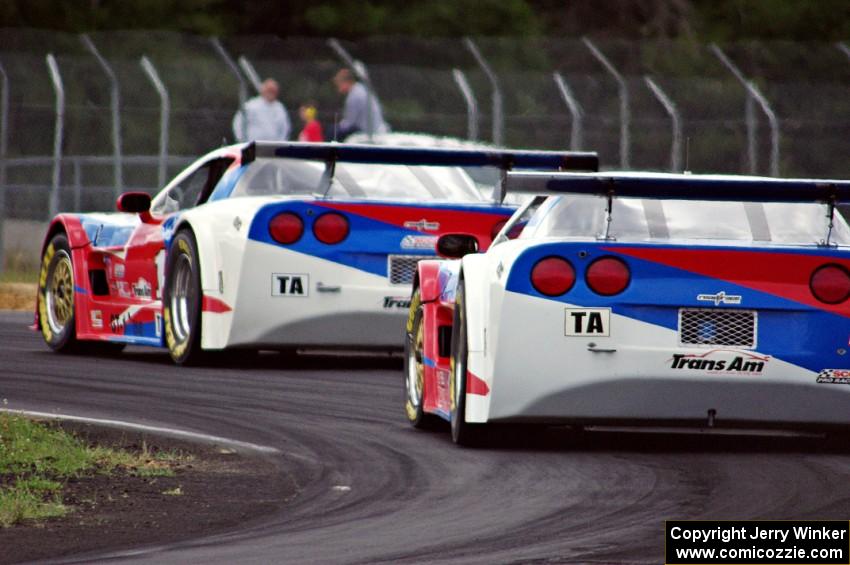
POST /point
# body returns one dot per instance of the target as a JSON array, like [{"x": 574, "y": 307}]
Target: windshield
[
  {"x": 634, "y": 219},
  {"x": 277, "y": 176}
]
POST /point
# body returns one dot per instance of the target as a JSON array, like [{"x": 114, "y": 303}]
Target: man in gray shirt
[
  {"x": 262, "y": 117},
  {"x": 362, "y": 112}
]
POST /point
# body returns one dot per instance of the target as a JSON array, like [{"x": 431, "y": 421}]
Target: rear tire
[
  {"x": 463, "y": 433},
  {"x": 56, "y": 297},
  {"x": 414, "y": 367},
  {"x": 181, "y": 301}
]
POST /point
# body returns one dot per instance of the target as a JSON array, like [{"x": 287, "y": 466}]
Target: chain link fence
[{"x": 127, "y": 110}]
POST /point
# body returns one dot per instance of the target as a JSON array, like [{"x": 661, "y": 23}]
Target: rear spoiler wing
[
  {"x": 669, "y": 186},
  {"x": 433, "y": 156},
  {"x": 504, "y": 160}
]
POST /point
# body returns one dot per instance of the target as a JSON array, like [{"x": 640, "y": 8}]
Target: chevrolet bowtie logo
[
  {"x": 422, "y": 225},
  {"x": 720, "y": 298}
]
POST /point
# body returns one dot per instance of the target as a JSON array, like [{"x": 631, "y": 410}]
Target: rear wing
[
  {"x": 668, "y": 186},
  {"x": 427, "y": 156}
]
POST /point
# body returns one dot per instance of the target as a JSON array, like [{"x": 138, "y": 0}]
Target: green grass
[
  {"x": 18, "y": 276},
  {"x": 36, "y": 459}
]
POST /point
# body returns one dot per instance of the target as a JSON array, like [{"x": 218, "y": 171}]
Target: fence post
[
  {"x": 676, "y": 120},
  {"x": 251, "y": 73},
  {"x": 575, "y": 111},
  {"x": 164, "y": 114},
  {"x": 58, "y": 133},
  {"x": 243, "y": 88},
  {"x": 498, "y": 112},
  {"x": 625, "y": 110},
  {"x": 471, "y": 104},
  {"x": 4, "y": 131},
  {"x": 115, "y": 106},
  {"x": 757, "y": 96},
  {"x": 362, "y": 73}
]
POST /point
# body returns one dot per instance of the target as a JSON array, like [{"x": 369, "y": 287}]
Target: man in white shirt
[
  {"x": 362, "y": 112},
  {"x": 262, "y": 117}
]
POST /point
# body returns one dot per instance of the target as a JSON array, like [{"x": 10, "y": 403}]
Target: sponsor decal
[
  {"x": 583, "y": 322},
  {"x": 721, "y": 361},
  {"x": 123, "y": 289},
  {"x": 142, "y": 288},
  {"x": 118, "y": 270},
  {"x": 96, "y": 319},
  {"x": 720, "y": 298},
  {"x": 157, "y": 325},
  {"x": 422, "y": 225},
  {"x": 289, "y": 284},
  {"x": 116, "y": 323},
  {"x": 419, "y": 242},
  {"x": 834, "y": 376},
  {"x": 396, "y": 302}
]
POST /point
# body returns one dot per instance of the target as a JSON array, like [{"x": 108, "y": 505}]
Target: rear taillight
[
  {"x": 286, "y": 228},
  {"x": 330, "y": 228},
  {"x": 830, "y": 284},
  {"x": 608, "y": 276},
  {"x": 553, "y": 276}
]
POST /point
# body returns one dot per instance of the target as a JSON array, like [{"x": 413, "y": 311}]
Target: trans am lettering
[
  {"x": 710, "y": 363},
  {"x": 286, "y": 284},
  {"x": 400, "y": 302}
]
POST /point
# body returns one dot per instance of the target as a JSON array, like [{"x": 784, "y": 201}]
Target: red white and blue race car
[
  {"x": 269, "y": 245},
  {"x": 648, "y": 299}
]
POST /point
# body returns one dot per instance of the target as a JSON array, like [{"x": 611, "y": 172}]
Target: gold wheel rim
[
  {"x": 416, "y": 371},
  {"x": 60, "y": 293}
]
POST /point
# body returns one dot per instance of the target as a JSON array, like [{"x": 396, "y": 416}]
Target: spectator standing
[
  {"x": 361, "y": 112},
  {"x": 263, "y": 117},
  {"x": 312, "y": 131}
]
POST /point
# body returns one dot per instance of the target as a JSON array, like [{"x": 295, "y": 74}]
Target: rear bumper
[
  {"x": 648, "y": 401},
  {"x": 639, "y": 374}
]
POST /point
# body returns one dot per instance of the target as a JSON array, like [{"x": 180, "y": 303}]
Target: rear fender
[{"x": 479, "y": 380}]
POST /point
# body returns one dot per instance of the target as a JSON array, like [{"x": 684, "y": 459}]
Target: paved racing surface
[{"x": 375, "y": 490}]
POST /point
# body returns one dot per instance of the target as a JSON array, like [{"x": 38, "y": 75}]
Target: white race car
[
  {"x": 651, "y": 299},
  {"x": 269, "y": 245}
]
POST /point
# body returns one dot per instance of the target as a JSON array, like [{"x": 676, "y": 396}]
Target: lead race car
[
  {"x": 269, "y": 245},
  {"x": 640, "y": 299}
]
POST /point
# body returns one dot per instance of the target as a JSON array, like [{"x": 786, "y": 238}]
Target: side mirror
[
  {"x": 456, "y": 245},
  {"x": 134, "y": 202}
]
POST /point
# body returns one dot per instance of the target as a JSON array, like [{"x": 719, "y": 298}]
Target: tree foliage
[{"x": 825, "y": 20}]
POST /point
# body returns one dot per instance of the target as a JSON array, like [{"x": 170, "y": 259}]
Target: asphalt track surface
[{"x": 374, "y": 490}]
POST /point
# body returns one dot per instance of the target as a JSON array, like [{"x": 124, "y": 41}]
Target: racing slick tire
[
  {"x": 182, "y": 300},
  {"x": 414, "y": 367},
  {"x": 56, "y": 308},
  {"x": 463, "y": 433}
]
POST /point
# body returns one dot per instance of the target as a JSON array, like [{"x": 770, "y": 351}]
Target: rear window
[
  {"x": 266, "y": 177},
  {"x": 634, "y": 219}
]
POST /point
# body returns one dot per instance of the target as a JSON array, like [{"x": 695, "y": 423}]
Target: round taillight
[
  {"x": 830, "y": 284},
  {"x": 330, "y": 228},
  {"x": 286, "y": 228},
  {"x": 608, "y": 276},
  {"x": 553, "y": 276}
]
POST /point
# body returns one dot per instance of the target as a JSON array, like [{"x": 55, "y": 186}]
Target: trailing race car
[
  {"x": 648, "y": 299},
  {"x": 269, "y": 245}
]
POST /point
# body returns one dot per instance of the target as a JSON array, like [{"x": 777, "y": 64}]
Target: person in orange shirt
[{"x": 312, "y": 128}]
